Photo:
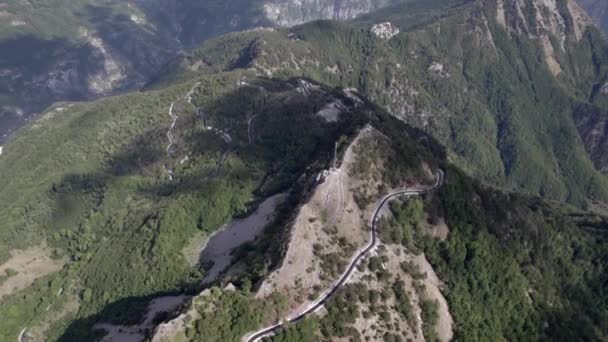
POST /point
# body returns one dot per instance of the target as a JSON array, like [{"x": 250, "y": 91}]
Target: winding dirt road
[
  {"x": 171, "y": 139},
  {"x": 174, "y": 117},
  {"x": 345, "y": 277},
  {"x": 250, "y": 128}
]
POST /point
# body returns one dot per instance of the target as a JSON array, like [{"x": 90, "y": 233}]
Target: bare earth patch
[
  {"x": 433, "y": 286},
  {"x": 438, "y": 229},
  {"x": 29, "y": 265},
  {"x": 330, "y": 223},
  {"x": 175, "y": 330},
  {"x": 192, "y": 251},
  {"x": 331, "y": 111}
]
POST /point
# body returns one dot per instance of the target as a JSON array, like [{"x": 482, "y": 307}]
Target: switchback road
[{"x": 373, "y": 243}]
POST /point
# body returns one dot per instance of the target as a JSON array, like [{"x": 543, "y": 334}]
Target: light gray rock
[{"x": 385, "y": 30}]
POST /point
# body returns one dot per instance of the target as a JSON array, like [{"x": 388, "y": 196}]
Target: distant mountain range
[{"x": 66, "y": 50}]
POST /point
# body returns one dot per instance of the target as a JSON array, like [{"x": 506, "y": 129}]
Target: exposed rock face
[
  {"x": 545, "y": 21},
  {"x": 111, "y": 73},
  {"x": 294, "y": 12},
  {"x": 385, "y": 30},
  {"x": 604, "y": 89}
]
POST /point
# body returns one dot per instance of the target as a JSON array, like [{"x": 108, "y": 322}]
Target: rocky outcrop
[
  {"x": 111, "y": 73},
  {"x": 385, "y": 30}
]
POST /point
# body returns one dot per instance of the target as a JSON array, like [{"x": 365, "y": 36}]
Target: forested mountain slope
[
  {"x": 511, "y": 88},
  {"x": 83, "y": 49},
  {"x": 115, "y": 190},
  {"x": 514, "y": 268},
  {"x": 118, "y": 212}
]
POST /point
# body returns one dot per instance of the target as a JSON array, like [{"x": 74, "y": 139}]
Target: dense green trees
[
  {"x": 429, "y": 319},
  {"x": 504, "y": 116},
  {"x": 227, "y": 315},
  {"x": 515, "y": 264},
  {"x": 305, "y": 331},
  {"x": 407, "y": 219},
  {"x": 404, "y": 304}
]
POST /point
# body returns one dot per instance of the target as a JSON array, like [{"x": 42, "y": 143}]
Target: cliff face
[
  {"x": 553, "y": 23},
  {"x": 294, "y": 12}
]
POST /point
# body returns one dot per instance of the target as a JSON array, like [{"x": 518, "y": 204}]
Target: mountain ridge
[
  {"x": 491, "y": 63},
  {"x": 121, "y": 195}
]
